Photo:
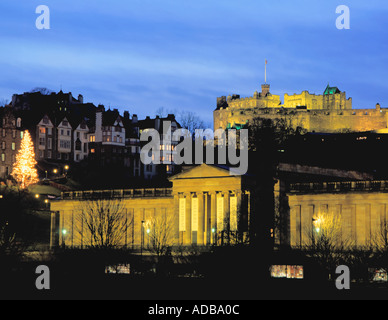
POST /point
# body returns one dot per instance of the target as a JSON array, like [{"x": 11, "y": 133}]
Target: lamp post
[
  {"x": 66, "y": 167},
  {"x": 214, "y": 235}
]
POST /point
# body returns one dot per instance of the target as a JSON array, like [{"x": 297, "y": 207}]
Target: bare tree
[
  {"x": 380, "y": 238},
  {"x": 191, "y": 121},
  {"x": 3, "y": 102},
  {"x": 103, "y": 223},
  {"x": 326, "y": 242},
  {"x": 233, "y": 235},
  {"x": 43, "y": 91},
  {"x": 187, "y": 119},
  {"x": 160, "y": 232}
]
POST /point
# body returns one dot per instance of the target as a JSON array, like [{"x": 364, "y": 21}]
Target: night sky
[{"x": 142, "y": 55}]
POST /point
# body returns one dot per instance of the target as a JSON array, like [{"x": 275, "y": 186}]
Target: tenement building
[{"x": 330, "y": 112}]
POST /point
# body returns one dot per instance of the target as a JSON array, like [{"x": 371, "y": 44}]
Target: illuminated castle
[{"x": 330, "y": 112}]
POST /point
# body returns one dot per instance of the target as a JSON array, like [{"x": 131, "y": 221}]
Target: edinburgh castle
[{"x": 330, "y": 112}]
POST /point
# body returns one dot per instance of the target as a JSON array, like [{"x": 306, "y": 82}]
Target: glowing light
[
  {"x": 213, "y": 230},
  {"x": 64, "y": 231},
  {"x": 37, "y": 196},
  {"x": 24, "y": 171},
  {"x": 55, "y": 171},
  {"x": 66, "y": 167}
]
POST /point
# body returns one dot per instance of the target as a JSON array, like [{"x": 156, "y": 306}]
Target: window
[
  {"x": 68, "y": 132},
  {"x": 49, "y": 154},
  {"x": 13, "y": 146},
  {"x": 64, "y": 144},
  {"x": 21, "y": 135},
  {"x": 4, "y": 133},
  {"x": 42, "y": 130},
  {"x": 49, "y": 143},
  {"x": 49, "y": 131},
  {"x": 19, "y": 122},
  {"x": 42, "y": 141},
  {"x": 3, "y": 145},
  {"x": 62, "y": 132},
  {"x": 3, "y": 157},
  {"x": 92, "y": 139},
  {"x": 14, "y": 134},
  {"x": 92, "y": 150}
]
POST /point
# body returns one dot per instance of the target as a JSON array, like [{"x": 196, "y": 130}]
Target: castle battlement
[{"x": 330, "y": 112}]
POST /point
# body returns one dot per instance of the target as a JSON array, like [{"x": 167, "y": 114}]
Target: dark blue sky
[{"x": 139, "y": 55}]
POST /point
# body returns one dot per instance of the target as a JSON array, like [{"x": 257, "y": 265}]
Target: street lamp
[
  {"x": 214, "y": 235},
  {"x": 64, "y": 233},
  {"x": 66, "y": 167}
]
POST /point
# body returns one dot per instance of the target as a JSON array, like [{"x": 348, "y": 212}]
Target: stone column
[
  {"x": 201, "y": 219},
  {"x": 213, "y": 219},
  {"x": 187, "y": 234},
  {"x": 227, "y": 216},
  {"x": 177, "y": 236},
  {"x": 205, "y": 198}
]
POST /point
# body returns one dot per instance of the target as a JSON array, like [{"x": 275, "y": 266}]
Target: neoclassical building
[{"x": 203, "y": 201}]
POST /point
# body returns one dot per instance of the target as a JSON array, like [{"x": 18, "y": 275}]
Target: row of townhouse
[{"x": 79, "y": 132}]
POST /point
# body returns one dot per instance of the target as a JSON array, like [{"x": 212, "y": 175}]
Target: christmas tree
[{"x": 24, "y": 171}]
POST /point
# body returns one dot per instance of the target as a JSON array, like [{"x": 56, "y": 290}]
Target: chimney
[
  {"x": 81, "y": 98},
  {"x": 378, "y": 107},
  {"x": 99, "y": 115},
  {"x": 126, "y": 115},
  {"x": 157, "y": 123},
  {"x": 134, "y": 118},
  {"x": 264, "y": 90}
]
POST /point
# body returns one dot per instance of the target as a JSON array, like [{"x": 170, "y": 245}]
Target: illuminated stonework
[{"x": 330, "y": 112}]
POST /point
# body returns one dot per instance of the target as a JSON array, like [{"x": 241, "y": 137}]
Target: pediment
[{"x": 203, "y": 171}]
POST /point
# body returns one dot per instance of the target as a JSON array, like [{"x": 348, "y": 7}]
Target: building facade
[
  {"x": 10, "y": 139},
  {"x": 328, "y": 113},
  {"x": 203, "y": 202}
]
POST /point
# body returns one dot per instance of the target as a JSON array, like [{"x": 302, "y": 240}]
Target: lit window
[
  {"x": 92, "y": 150},
  {"x": 42, "y": 130}
]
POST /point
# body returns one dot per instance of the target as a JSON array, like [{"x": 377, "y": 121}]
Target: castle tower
[{"x": 264, "y": 89}]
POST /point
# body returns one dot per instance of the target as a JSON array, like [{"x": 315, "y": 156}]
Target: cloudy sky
[{"x": 140, "y": 55}]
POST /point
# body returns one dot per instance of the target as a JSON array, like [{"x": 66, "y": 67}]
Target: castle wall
[{"x": 327, "y": 121}]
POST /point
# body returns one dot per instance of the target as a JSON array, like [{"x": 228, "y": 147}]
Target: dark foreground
[{"x": 124, "y": 287}]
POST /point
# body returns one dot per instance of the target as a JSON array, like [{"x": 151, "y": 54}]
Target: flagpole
[{"x": 265, "y": 79}]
